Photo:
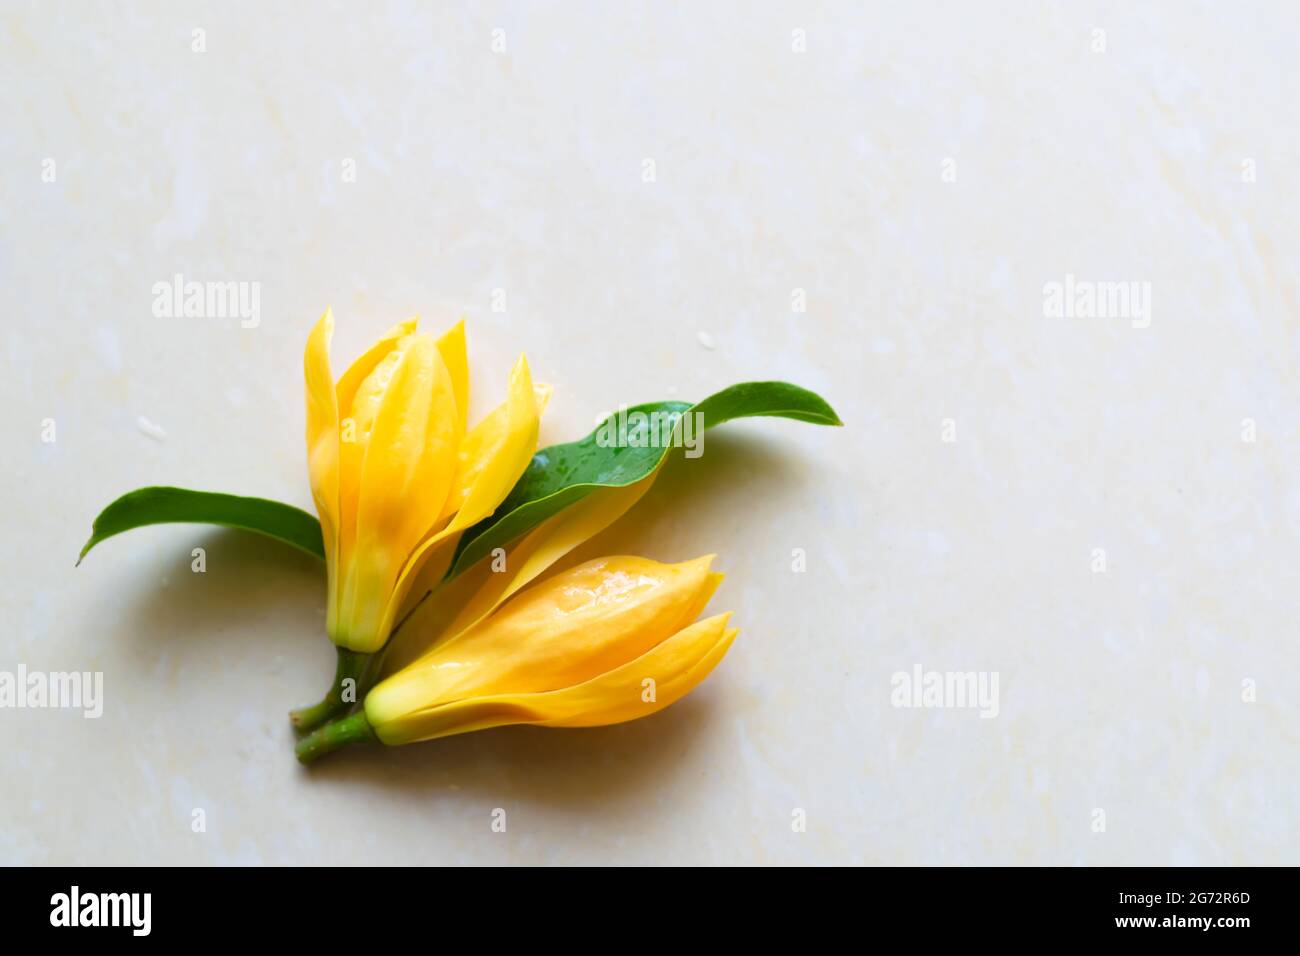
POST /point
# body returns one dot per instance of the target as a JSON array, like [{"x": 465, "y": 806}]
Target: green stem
[
  {"x": 349, "y": 730},
  {"x": 351, "y": 667}
]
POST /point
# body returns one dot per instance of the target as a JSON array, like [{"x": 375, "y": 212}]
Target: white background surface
[{"x": 775, "y": 171}]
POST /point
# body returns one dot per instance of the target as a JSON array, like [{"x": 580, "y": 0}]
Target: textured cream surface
[{"x": 920, "y": 171}]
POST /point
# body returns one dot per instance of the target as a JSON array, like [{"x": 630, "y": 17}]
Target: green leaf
[
  {"x": 163, "y": 505},
  {"x": 622, "y": 450}
]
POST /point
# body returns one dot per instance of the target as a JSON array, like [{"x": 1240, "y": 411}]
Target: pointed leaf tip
[{"x": 167, "y": 505}]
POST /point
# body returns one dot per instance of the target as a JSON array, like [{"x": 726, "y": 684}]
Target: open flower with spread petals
[
  {"x": 397, "y": 475},
  {"x": 611, "y": 640}
]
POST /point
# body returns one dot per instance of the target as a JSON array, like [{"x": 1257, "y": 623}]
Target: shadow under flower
[
  {"x": 255, "y": 599},
  {"x": 561, "y": 768}
]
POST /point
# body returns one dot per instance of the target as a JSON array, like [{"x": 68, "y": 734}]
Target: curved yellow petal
[
  {"x": 443, "y": 544},
  {"x": 417, "y": 609},
  {"x": 677, "y": 666},
  {"x": 361, "y": 391},
  {"x": 495, "y": 452},
  {"x": 560, "y": 632},
  {"x": 491, "y": 458},
  {"x": 365, "y": 364},
  {"x": 408, "y": 465},
  {"x": 661, "y": 676},
  {"x": 464, "y": 601},
  {"x": 323, "y": 442},
  {"x": 452, "y": 348},
  {"x": 575, "y": 625}
]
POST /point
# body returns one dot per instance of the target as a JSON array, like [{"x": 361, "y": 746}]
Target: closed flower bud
[{"x": 577, "y": 650}]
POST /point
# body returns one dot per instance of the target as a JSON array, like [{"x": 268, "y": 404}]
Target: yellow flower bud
[
  {"x": 395, "y": 474},
  {"x": 608, "y": 641}
]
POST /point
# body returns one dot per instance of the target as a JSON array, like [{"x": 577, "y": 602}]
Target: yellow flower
[
  {"x": 396, "y": 474},
  {"x": 608, "y": 641}
]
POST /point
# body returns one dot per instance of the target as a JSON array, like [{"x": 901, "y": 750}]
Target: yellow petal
[
  {"x": 408, "y": 466},
  {"x": 360, "y": 393},
  {"x": 323, "y": 441},
  {"x": 661, "y": 676},
  {"x": 491, "y": 459},
  {"x": 462, "y": 602},
  {"x": 417, "y": 606},
  {"x": 560, "y": 632},
  {"x": 676, "y": 666},
  {"x": 495, "y": 452},
  {"x": 361, "y": 369},
  {"x": 452, "y": 348}
]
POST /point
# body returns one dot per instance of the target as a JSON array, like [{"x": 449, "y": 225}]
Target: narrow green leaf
[
  {"x": 625, "y": 448},
  {"x": 163, "y": 505}
]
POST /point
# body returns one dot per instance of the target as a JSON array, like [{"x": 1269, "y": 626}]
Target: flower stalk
[
  {"x": 353, "y": 729},
  {"x": 352, "y": 666}
]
